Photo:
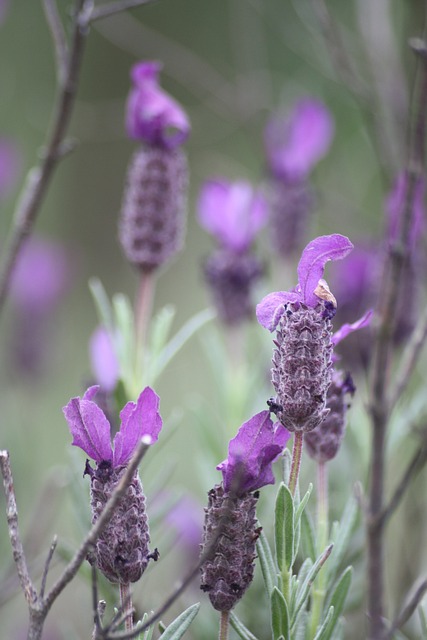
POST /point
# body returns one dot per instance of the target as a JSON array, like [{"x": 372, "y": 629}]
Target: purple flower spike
[
  {"x": 91, "y": 430},
  {"x": 250, "y": 454},
  {"x": 232, "y": 212},
  {"x": 296, "y": 143},
  {"x": 311, "y": 288},
  {"x": 152, "y": 116}
]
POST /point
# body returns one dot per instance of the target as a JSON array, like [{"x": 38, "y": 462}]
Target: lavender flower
[
  {"x": 105, "y": 365},
  {"x": 121, "y": 552},
  {"x": 230, "y": 531},
  {"x": 233, "y": 213},
  {"x": 294, "y": 144},
  {"x": 323, "y": 442},
  {"x": 153, "y": 209},
  {"x": 302, "y": 361}
]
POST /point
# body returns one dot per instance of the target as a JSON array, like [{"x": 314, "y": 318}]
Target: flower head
[
  {"x": 251, "y": 453},
  {"x": 153, "y": 116},
  {"x": 233, "y": 212},
  {"x": 295, "y": 143},
  {"x": 91, "y": 430},
  {"x": 310, "y": 288}
]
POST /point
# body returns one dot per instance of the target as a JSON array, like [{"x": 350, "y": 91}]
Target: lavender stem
[{"x": 296, "y": 460}]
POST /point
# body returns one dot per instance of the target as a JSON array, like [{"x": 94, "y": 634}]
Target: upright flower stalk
[
  {"x": 230, "y": 531},
  {"x": 153, "y": 210},
  {"x": 121, "y": 552}
]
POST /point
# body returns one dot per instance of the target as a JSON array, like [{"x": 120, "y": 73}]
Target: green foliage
[{"x": 179, "y": 626}]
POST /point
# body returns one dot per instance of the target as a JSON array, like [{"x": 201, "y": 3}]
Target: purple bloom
[
  {"x": 294, "y": 144},
  {"x": 10, "y": 161},
  {"x": 251, "y": 453},
  {"x": 232, "y": 212},
  {"x": 91, "y": 430},
  {"x": 347, "y": 328},
  {"x": 105, "y": 366},
  {"x": 152, "y": 116},
  {"x": 311, "y": 288}
]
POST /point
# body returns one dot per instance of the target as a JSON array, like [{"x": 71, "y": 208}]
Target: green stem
[
  {"x": 143, "y": 309},
  {"x": 126, "y": 605},
  {"x": 296, "y": 461},
  {"x": 319, "y": 588},
  {"x": 223, "y": 625}
]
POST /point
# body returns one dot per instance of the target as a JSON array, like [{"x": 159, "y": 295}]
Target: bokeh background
[{"x": 231, "y": 64}]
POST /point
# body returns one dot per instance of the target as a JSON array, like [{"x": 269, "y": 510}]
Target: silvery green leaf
[
  {"x": 337, "y": 600},
  {"x": 179, "y": 340},
  {"x": 304, "y": 591},
  {"x": 279, "y": 615},
  {"x": 240, "y": 628},
  {"x": 327, "y": 626},
  {"x": 265, "y": 557},
  {"x": 179, "y": 626},
  {"x": 423, "y": 621},
  {"x": 284, "y": 527},
  {"x": 300, "y": 630},
  {"x": 303, "y": 504},
  {"x": 346, "y": 527},
  {"x": 307, "y": 536},
  {"x": 102, "y": 304},
  {"x": 286, "y": 466}
]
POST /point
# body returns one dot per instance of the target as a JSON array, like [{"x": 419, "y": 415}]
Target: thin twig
[
  {"x": 409, "y": 359},
  {"x": 112, "y": 8},
  {"x": 58, "y": 37},
  {"x": 408, "y": 609},
  {"x": 28, "y": 588},
  {"x": 415, "y": 465},
  {"x": 47, "y": 565}
]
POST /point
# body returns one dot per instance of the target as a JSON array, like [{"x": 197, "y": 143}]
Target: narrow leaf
[
  {"x": 268, "y": 568},
  {"x": 102, "y": 304},
  {"x": 279, "y": 615},
  {"x": 306, "y": 586},
  {"x": 240, "y": 628},
  {"x": 307, "y": 536},
  {"x": 342, "y": 539},
  {"x": 423, "y": 621},
  {"x": 179, "y": 626},
  {"x": 303, "y": 504},
  {"x": 284, "y": 527},
  {"x": 327, "y": 626}
]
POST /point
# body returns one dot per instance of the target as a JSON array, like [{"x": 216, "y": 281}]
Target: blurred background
[{"x": 232, "y": 65}]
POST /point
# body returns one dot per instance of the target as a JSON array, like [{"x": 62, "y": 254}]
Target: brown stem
[
  {"x": 143, "y": 307},
  {"x": 224, "y": 625},
  {"x": 126, "y": 605}
]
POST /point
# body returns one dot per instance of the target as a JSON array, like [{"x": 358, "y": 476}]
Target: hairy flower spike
[
  {"x": 323, "y": 443},
  {"x": 302, "y": 363},
  {"x": 153, "y": 210},
  {"x": 229, "y": 570}
]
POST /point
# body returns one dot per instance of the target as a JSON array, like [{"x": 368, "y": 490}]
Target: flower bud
[{"x": 153, "y": 210}]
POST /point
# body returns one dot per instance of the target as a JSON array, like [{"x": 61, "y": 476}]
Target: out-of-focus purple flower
[
  {"x": 185, "y": 517},
  {"x": 152, "y": 115},
  {"x": 91, "y": 430},
  {"x": 251, "y": 453},
  {"x": 10, "y": 160},
  {"x": 394, "y": 207},
  {"x": 233, "y": 212},
  {"x": 41, "y": 276},
  {"x": 105, "y": 365},
  {"x": 295, "y": 143},
  {"x": 311, "y": 288}
]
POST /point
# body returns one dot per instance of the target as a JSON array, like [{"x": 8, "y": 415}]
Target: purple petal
[
  {"x": 296, "y": 143},
  {"x": 151, "y": 114},
  {"x": 138, "y": 420},
  {"x": 272, "y": 307},
  {"x": 251, "y": 453},
  {"x": 313, "y": 259},
  {"x": 347, "y": 328},
  {"x": 232, "y": 212},
  {"x": 89, "y": 426},
  {"x": 105, "y": 366}
]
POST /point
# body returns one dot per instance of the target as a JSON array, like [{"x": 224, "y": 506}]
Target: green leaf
[
  {"x": 279, "y": 615},
  {"x": 327, "y": 626},
  {"x": 179, "y": 626},
  {"x": 180, "y": 339},
  {"x": 284, "y": 528},
  {"x": 286, "y": 466},
  {"x": 240, "y": 628},
  {"x": 102, "y": 304},
  {"x": 342, "y": 538},
  {"x": 268, "y": 568},
  {"x": 300, "y": 631},
  {"x": 307, "y": 536},
  {"x": 423, "y": 621},
  {"x": 304, "y": 591},
  {"x": 302, "y": 505}
]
